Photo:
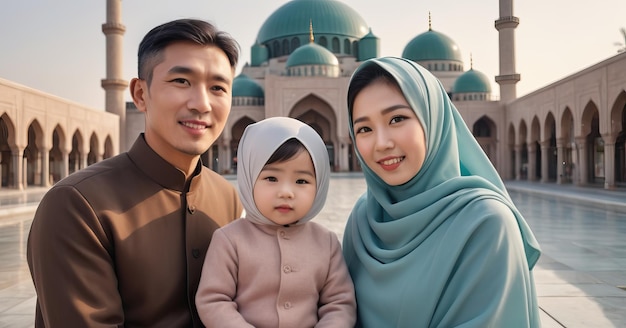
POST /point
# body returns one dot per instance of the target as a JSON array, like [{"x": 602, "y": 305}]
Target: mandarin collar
[{"x": 157, "y": 168}]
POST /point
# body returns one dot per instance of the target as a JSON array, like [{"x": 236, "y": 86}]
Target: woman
[{"x": 435, "y": 241}]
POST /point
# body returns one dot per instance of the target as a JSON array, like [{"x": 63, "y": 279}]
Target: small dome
[
  {"x": 432, "y": 45},
  {"x": 472, "y": 82},
  {"x": 243, "y": 86},
  {"x": 312, "y": 54}
]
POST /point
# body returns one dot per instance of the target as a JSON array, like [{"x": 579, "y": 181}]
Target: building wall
[
  {"x": 572, "y": 109},
  {"x": 81, "y": 132}
]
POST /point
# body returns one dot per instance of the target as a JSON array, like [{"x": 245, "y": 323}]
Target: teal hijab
[{"x": 448, "y": 247}]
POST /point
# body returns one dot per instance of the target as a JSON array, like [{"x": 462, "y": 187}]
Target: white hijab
[{"x": 259, "y": 141}]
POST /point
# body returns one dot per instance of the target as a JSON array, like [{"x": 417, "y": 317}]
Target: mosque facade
[{"x": 571, "y": 131}]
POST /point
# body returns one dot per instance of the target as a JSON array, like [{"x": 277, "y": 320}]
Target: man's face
[{"x": 187, "y": 103}]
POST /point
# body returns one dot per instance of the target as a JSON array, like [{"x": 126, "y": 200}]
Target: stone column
[
  {"x": 226, "y": 162},
  {"x": 38, "y": 175},
  {"x": 18, "y": 175},
  {"x": 518, "y": 162},
  {"x": 545, "y": 147},
  {"x": 25, "y": 172},
  {"x": 65, "y": 163},
  {"x": 45, "y": 166},
  {"x": 83, "y": 160},
  {"x": 581, "y": 168},
  {"x": 532, "y": 159},
  {"x": 343, "y": 156},
  {"x": 560, "y": 161},
  {"x": 609, "y": 160}
]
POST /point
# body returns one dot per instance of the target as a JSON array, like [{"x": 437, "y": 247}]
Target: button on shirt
[{"x": 298, "y": 270}]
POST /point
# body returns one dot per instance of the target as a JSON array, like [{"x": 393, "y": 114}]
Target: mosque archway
[
  {"x": 618, "y": 128},
  {"x": 108, "y": 148},
  {"x": 237, "y": 132},
  {"x": 594, "y": 146},
  {"x": 94, "y": 150},
  {"x": 32, "y": 160},
  {"x": 534, "y": 151},
  {"x": 549, "y": 144},
  {"x": 485, "y": 132},
  {"x": 7, "y": 142},
  {"x": 513, "y": 165},
  {"x": 321, "y": 125},
  {"x": 523, "y": 169},
  {"x": 317, "y": 113},
  {"x": 56, "y": 155},
  {"x": 75, "y": 155}
]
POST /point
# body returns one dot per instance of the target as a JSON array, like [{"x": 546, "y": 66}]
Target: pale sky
[{"x": 58, "y": 46}]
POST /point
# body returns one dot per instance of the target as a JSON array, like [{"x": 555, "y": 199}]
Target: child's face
[{"x": 284, "y": 191}]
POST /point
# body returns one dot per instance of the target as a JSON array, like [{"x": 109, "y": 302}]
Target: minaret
[
  {"x": 114, "y": 85},
  {"x": 506, "y": 25}
]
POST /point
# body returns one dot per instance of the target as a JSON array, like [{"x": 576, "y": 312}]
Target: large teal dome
[
  {"x": 336, "y": 27},
  {"x": 328, "y": 17},
  {"x": 311, "y": 54},
  {"x": 432, "y": 45},
  {"x": 472, "y": 82}
]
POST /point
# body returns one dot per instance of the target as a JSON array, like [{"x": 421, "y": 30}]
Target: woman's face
[{"x": 388, "y": 134}]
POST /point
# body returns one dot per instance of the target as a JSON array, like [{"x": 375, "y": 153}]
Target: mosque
[{"x": 572, "y": 131}]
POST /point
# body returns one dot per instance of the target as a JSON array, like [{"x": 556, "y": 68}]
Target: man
[{"x": 121, "y": 243}]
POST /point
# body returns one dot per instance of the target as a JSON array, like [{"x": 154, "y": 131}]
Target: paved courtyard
[{"x": 580, "y": 277}]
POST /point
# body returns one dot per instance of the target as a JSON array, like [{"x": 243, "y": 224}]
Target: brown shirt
[{"x": 122, "y": 242}]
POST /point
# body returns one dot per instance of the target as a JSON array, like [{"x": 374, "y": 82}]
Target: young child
[{"x": 274, "y": 268}]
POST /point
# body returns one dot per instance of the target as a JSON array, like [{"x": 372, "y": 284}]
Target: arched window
[
  {"x": 346, "y": 46},
  {"x": 295, "y": 43},
  {"x": 323, "y": 42},
  {"x": 285, "y": 47},
  {"x": 336, "y": 45},
  {"x": 276, "y": 49},
  {"x": 481, "y": 128}
]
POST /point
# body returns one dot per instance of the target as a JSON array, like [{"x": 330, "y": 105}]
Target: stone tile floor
[{"x": 582, "y": 232}]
